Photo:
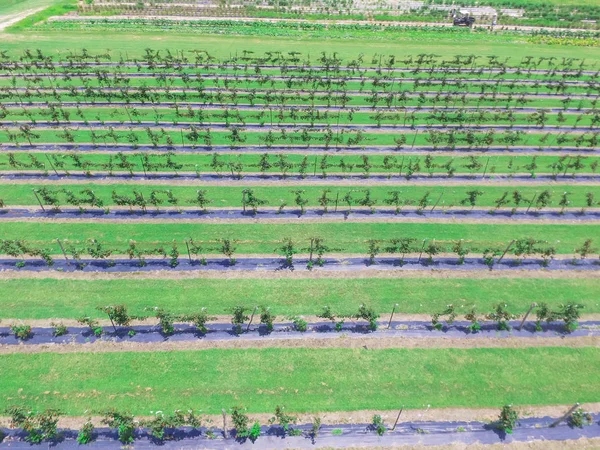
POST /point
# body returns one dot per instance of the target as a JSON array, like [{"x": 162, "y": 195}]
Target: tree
[
  {"x": 326, "y": 313},
  {"x": 86, "y": 434},
  {"x": 200, "y": 320},
  {"x": 367, "y": 201},
  {"x": 501, "y": 316},
  {"x": 395, "y": 200},
  {"x": 240, "y": 317},
  {"x": 201, "y": 199},
  {"x": 431, "y": 249},
  {"x": 471, "y": 316},
  {"x": 267, "y": 318},
  {"x": 288, "y": 251},
  {"x": 228, "y": 248},
  {"x": 378, "y": 425},
  {"x": 117, "y": 314},
  {"x": 283, "y": 419},
  {"x": 249, "y": 199},
  {"x": 508, "y": 419},
  {"x": 300, "y": 201},
  {"x": 92, "y": 324},
  {"x": 240, "y": 422},
  {"x": 461, "y": 250},
  {"x": 123, "y": 422},
  {"x": 368, "y": 314},
  {"x": 319, "y": 248},
  {"x": 402, "y": 246},
  {"x": 585, "y": 249},
  {"x": 196, "y": 248},
  {"x": 39, "y": 426},
  {"x": 501, "y": 201},
  {"x": 373, "y": 251},
  {"x": 324, "y": 200},
  {"x": 570, "y": 314},
  {"x": 166, "y": 321},
  {"x": 472, "y": 197},
  {"x": 524, "y": 248},
  {"x": 448, "y": 312}
]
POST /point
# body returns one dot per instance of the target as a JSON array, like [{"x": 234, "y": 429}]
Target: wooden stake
[
  {"x": 567, "y": 414},
  {"x": 531, "y": 203},
  {"x": 422, "y": 248},
  {"x": 486, "y": 166},
  {"x": 188, "y": 250},
  {"x": 51, "y": 165},
  {"x": 397, "y": 419},
  {"x": 391, "y": 317},
  {"x": 63, "y": 251},
  {"x": 143, "y": 166},
  {"x": 251, "y": 318},
  {"x": 225, "y": 432},
  {"x": 438, "y": 200},
  {"x": 533, "y": 305},
  {"x": 507, "y": 248},
  {"x": 38, "y": 199}
]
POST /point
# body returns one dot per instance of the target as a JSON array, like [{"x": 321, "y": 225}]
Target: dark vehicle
[{"x": 463, "y": 21}]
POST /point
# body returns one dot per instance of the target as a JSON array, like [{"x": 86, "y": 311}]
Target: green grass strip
[
  {"x": 22, "y": 194},
  {"x": 266, "y": 238},
  {"x": 50, "y": 298},
  {"x": 27, "y": 161},
  {"x": 304, "y": 380}
]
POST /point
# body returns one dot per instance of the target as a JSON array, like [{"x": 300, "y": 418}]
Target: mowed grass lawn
[
  {"x": 267, "y": 238},
  {"x": 304, "y": 380},
  {"x": 132, "y": 44},
  {"x": 50, "y": 298}
]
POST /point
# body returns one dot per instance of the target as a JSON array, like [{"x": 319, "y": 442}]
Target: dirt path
[
  {"x": 7, "y": 21},
  {"x": 226, "y": 319},
  {"x": 343, "y": 341}
]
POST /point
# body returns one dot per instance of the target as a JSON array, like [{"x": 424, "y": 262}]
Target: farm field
[{"x": 339, "y": 228}]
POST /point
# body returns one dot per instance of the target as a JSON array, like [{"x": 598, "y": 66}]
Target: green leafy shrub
[
  {"x": 580, "y": 418},
  {"x": 86, "y": 434},
  {"x": 240, "y": 422},
  {"x": 508, "y": 419},
  {"x": 39, "y": 426},
  {"x": 92, "y": 324},
  {"x": 378, "y": 425},
  {"x": 368, "y": 314},
  {"x": 59, "y": 329},
  {"x": 282, "y": 418},
  {"x": 299, "y": 323},
  {"x": 123, "y": 422},
  {"x": 267, "y": 318},
  {"x": 254, "y": 432},
  {"x": 22, "y": 332}
]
